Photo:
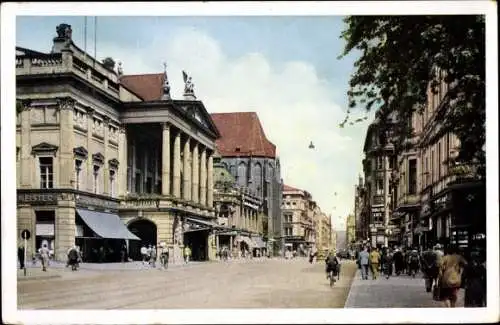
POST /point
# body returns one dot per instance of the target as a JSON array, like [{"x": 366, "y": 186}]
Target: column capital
[
  {"x": 66, "y": 103},
  {"x": 90, "y": 111},
  {"x": 165, "y": 126},
  {"x": 122, "y": 129},
  {"x": 25, "y": 104}
]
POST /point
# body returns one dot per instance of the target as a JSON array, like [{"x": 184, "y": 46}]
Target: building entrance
[
  {"x": 146, "y": 231},
  {"x": 198, "y": 242}
]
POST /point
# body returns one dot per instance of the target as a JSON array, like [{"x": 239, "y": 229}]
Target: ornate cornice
[
  {"x": 98, "y": 158},
  {"x": 44, "y": 148},
  {"x": 80, "y": 152},
  {"x": 113, "y": 163}
]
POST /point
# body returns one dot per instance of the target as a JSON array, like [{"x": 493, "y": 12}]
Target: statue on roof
[
  {"x": 64, "y": 31},
  {"x": 166, "y": 84},
  {"x": 120, "y": 69},
  {"x": 188, "y": 84}
]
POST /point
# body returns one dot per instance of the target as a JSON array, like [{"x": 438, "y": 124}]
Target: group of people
[
  {"x": 74, "y": 258},
  {"x": 444, "y": 272}
]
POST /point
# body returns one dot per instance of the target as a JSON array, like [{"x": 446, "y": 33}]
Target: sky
[{"x": 285, "y": 68}]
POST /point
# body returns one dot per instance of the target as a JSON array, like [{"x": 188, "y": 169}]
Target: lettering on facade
[
  {"x": 39, "y": 198},
  {"x": 90, "y": 200},
  {"x": 442, "y": 202},
  {"x": 377, "y": 212}
]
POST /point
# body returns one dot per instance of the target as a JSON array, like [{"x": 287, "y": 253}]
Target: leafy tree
[{"x": 399, "y": 59}]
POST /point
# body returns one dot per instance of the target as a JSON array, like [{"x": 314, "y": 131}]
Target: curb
[
  {"x": 37, "y": 277},
  {"x": 356, "y": 275}
]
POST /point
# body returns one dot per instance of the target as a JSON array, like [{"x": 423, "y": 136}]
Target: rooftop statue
[
  {"x": 166, "y": 84},
  {"x": 64, "y": 31},
  {"x": 188, "y": 84}
]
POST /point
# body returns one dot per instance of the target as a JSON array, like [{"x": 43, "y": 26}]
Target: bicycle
[{"x": 334, "y": 275}]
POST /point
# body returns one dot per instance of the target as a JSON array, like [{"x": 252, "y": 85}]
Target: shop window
[
  {"x": 380, "y": 186},
  {"x": 45, "y": 229},
  {"x": 46, "y": 172}
]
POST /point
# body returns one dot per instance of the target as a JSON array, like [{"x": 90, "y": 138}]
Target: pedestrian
[
  {"x": 475, "y": 281},
  {"x": 20, "y": 256},
  {"x": 450, "y": 276},
  {"x": 430, "y": 267},
  {"x": 144, "y": 254},
  {"x": 123, "y": 252},
  {"x": 413, "y": 262},
  {"x": 388, "y": 259},
  {"x": 152, "y": 256},
  {"x": 364, "y": 260},
  {"x": 374, "y": 262},
  {"x": 73, "y": 258},
  {"x": 44, "y": 256},
  {"x": 187, "y": 254},
  {"x": 164, "y": 255}
]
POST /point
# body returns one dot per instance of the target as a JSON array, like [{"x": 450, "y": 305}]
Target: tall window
[
  {"x": 96, "y": 178},
  {"x": 439, "y": 160},
  {"x": 112, "y": 178},
  {"x": 380, "y": 186},
  {"x": 78, "y": 171},
  {"x": 380, "y": 162},
  {"x": 412, "y": 176},
  {"x": 288, "y": 231},
  {"x": 46, "y": 172}
]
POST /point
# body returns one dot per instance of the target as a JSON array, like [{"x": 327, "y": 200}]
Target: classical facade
[
  {"x": 447, "y": 202},
  {"x": 240, "y": 213},
  {"x": 251, "y": 159},
  {"x": 108, "y": 161},
  {"x": 298, "y": 219}
]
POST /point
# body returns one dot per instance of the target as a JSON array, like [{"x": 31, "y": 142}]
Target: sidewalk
[{"x": 396, "y": 292}]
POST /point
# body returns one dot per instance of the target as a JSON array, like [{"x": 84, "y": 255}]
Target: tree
[
  {"x": 400, "y": 56},
  {"x": 109, "y": 63}
]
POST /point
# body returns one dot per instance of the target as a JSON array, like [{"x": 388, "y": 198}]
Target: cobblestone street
[
  {"x": 396, "y": 292},
  {"x": 256, "y": 283}
]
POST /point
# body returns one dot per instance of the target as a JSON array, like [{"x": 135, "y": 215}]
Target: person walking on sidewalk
[
  {"x": 44, "y": 256},
  {"x": 475, "y": 281},
  {"x": 450, "y": 276},
  {"x": 152, "y": 256},
  {"x": 364, "y": 261},
  {"x": 430, "y": 268},
  {"x": 187, "y": 254},
  {"x": 374, "y": 262},
  {"x": 20, "y": 256},
  {"x": 144, "y": 254}
]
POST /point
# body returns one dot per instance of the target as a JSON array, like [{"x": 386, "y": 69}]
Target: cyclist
[{"x": 332, "y": 265}]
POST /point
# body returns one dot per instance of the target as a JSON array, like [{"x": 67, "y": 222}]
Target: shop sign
[
  {"x": 83, "y": 199},
  {"x": 38, "y": 198},
  {"x": 45, "y": 229}
]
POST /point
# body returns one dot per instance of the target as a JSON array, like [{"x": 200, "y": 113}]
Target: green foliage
[{"x": 399, "y": 55}]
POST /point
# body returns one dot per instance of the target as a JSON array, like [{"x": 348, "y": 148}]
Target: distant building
[
  {"x": 299, "y": 212},
  {"x": 251, "y": 159},
  {"x": 341, "y": 240},
  {"x": 350, "y": 230}
]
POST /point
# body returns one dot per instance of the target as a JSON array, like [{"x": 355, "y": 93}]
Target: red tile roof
[
  {"x": 148, "y": 86},
  {"x": 242, "y": 130},
  {"x": 290, "y": 189}
]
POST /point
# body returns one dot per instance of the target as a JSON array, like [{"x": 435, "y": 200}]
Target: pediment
[
  {"x": 81, "y": 152},
  {"x": 44, "y": 147},
  {"x": 198, "y": 112},
  {"x": 113, "y": 163},
  {"x": 98, "y": 158}
]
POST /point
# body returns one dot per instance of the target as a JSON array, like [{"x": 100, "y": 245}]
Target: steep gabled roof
[
  {"x": 287, "y": 188},
  {"x": 242, "y": 135},
  {"x": 147, "y": 86}
]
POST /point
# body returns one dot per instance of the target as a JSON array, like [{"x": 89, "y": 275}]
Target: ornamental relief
[
  {"x": 80, "y": 119},
  {"x": 113, "y": 134},
  {"x": 98, "y": 128}
]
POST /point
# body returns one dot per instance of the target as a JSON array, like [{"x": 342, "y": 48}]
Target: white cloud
[{"x": 294, "y": 105}]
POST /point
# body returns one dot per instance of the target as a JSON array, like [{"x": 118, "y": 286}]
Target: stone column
[
  {"x": 186, "y": 175},
  {"x": 123, "y": 159},
  {"x": 231, "y": 245},
  {"x": 217, "y": 243},
  {"x": 26, "y": 157},
  {"x": 196, "y": 175},
  {"x": 210, "y": 181},
  {"x": 165, "y": 160},
  {"x": 106, "y": 156},
  {"x": 177, "y": 165},
  {"x": 67, "y": 144},
  {"x": 386, "y": 199},
  {"x": 90, "y": 167},
  {"x": 64, "y": 227},
  {"x": 203, "y": 178}
]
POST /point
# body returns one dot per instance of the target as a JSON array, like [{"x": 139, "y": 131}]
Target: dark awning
[
  {"x": 106, "y": 225},
  {"x": 204, "y": 222}
]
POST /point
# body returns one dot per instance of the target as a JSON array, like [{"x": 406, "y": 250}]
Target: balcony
[{"x": 408, "y": 202}]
